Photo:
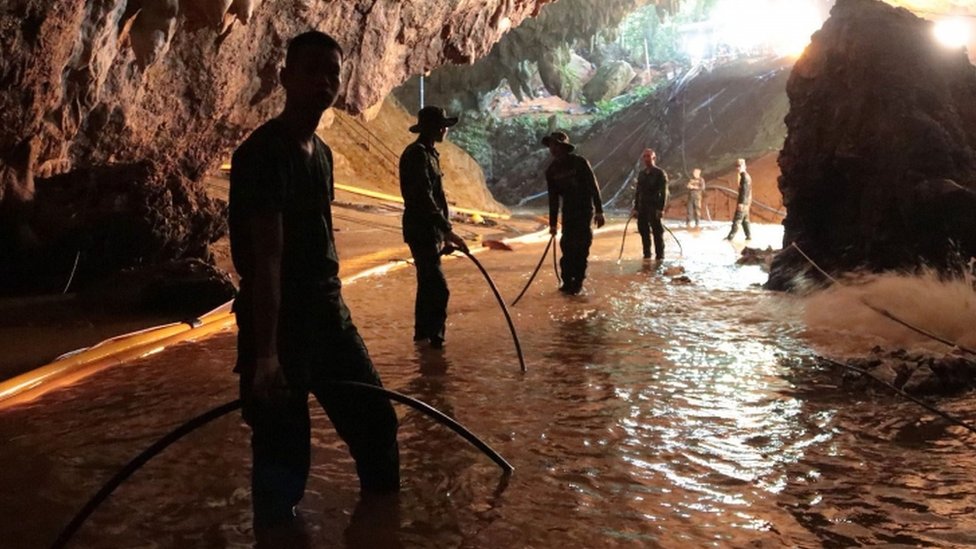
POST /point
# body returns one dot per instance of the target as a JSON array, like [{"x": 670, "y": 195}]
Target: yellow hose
[{"x": 396, "y": 198}]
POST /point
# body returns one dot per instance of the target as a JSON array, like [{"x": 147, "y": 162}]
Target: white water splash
[{"x": 840, "y": 323}]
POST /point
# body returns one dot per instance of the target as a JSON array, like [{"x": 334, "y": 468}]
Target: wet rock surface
[
  {"x": 916, "y": 374},
  {"x": 179, "y": 286},
  {"x": 879, "y": 164},
  {"x": 757, "y": 256},
  {"x": 88, "y": 223}
]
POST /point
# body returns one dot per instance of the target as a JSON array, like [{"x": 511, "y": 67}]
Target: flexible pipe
[
  {"x": 545, "y": 253},
  {"x": 624, "y": 238},
  {"x": 501, "y": 303},
  {"x": 157, "y": 447}
]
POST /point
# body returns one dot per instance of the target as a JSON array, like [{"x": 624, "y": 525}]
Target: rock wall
[
  {"x": 540, "y": 40},
  {"x": 124, "y": 94},
  {"x": 879, "y": 163}
]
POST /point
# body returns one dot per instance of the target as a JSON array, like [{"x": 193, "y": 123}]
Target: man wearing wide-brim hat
[
  {"x": 571, "y": 180},
  {"x": 426, "y": 222}
]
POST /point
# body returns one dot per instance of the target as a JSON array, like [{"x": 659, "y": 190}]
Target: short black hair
[{"x": 311, "y": 39}]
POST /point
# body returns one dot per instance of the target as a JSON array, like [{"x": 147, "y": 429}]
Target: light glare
[
  {"x": 952, "y": 33},
  {"x": 781, "y": 26}
]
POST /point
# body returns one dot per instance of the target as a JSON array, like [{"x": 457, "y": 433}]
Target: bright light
[
  {"x": 783, "y": 26},
  {"x": 696, "y": 46},
  {"x": 953, "y": 33}
]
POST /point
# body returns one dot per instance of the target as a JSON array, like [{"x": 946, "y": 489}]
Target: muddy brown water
[{"x": 653, "y": 414}]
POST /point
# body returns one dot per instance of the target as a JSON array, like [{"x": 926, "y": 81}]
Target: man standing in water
[
  {"x": 295, "y": 333},
  {"x": 426, "y": 223},
  {"x": 569, "y": 177},
  {"x": 743, "y": 203},
  {"x": 650, "y": 200},
  {"x": 696, "y": 188}
]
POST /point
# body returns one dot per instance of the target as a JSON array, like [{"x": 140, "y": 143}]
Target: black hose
[
  {"x": 106, "y": 490},
  {"x": 501, "y": 303},
  {"x": 624, "y": 238},
  {"x": 157, "y": 447},
  {"x": 555, "y": 264},
  {"x": 534, "y": 272},
  {"x": 681, "y": 250}
]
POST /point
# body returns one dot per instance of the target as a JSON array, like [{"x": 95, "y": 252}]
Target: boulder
[
  {"x": 879, "y": 163},
  {"x": 564, "y": 73},
  {"x": 609, "y": 81}
]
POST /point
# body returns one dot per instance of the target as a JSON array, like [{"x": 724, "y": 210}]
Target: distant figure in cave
[
  {"x": 743, "y": 203},
  {"x": 426, "y": 223},
  {"x": 570, "y": 178},
  {"x": 295, "y": 332},
  {"x": 696, "y": 189},
  {"x": 650, "y": 201}
]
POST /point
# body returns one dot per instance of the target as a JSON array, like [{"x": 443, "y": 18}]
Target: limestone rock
[
  {"x": 90, "y": 87},
  {"x": 879, "y": 163},
  {"x": 558, "y": 25},
  {"x": 564, "y": 73},
  {"x": 609, "y": 81}
]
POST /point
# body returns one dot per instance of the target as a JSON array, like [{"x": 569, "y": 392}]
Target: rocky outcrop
[
  {"x": 879, "y": 164},
  {"x": 565, "y": 73},
  {"x": 538, "y": 40},
  {"x": 165, "y": 88},
  {"x": 609, "y": 81}
]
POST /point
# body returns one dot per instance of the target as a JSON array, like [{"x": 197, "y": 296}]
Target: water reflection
[{"x": 653, "y": 414}]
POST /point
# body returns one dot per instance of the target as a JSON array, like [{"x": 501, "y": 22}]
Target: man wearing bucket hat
[
  {"x": 569, "y": 177},
  {"x": 426, "y": 222}
]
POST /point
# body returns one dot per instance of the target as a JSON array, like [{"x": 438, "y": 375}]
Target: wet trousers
[
  {"x": 430, "y": 306},
  {"x": 694, "y": 207},
  {"x": 647, "y": 223},
  {"x": 281, "y": 431},
  {"x": 740, "y": 217},
  {"x": 575, "y": 246}
]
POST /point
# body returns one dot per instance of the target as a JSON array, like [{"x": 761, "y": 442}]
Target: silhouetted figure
[
  {"x": 650, "y": 200},
  {"x": 696, "y": 190},
  {"x": 743, "y": 203},
  {"x": 426, "y": 223},
  {"x": 296, "y": 334},
  {"x": 570, "y": 178}
]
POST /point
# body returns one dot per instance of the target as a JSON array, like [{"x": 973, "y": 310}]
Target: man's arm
[
  {"x": 267, "y": 238},
  {"x": 637, "y": 195},
  {"x": 667, "y": 191},
  {"x": 591, "y": 183},
  {"x": 743, "y": 192},
  {"x": 553, "y": 206}
]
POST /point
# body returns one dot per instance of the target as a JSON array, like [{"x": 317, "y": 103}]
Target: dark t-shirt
[
  {"x": 652, "y": 190},
  {"x": 270, "y": 174},
  {"x": 572, "y": 179},
  {"x": 425, "y": 213}
]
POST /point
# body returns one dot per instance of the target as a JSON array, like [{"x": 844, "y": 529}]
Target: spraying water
[{"x": 841, "y": 324}]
